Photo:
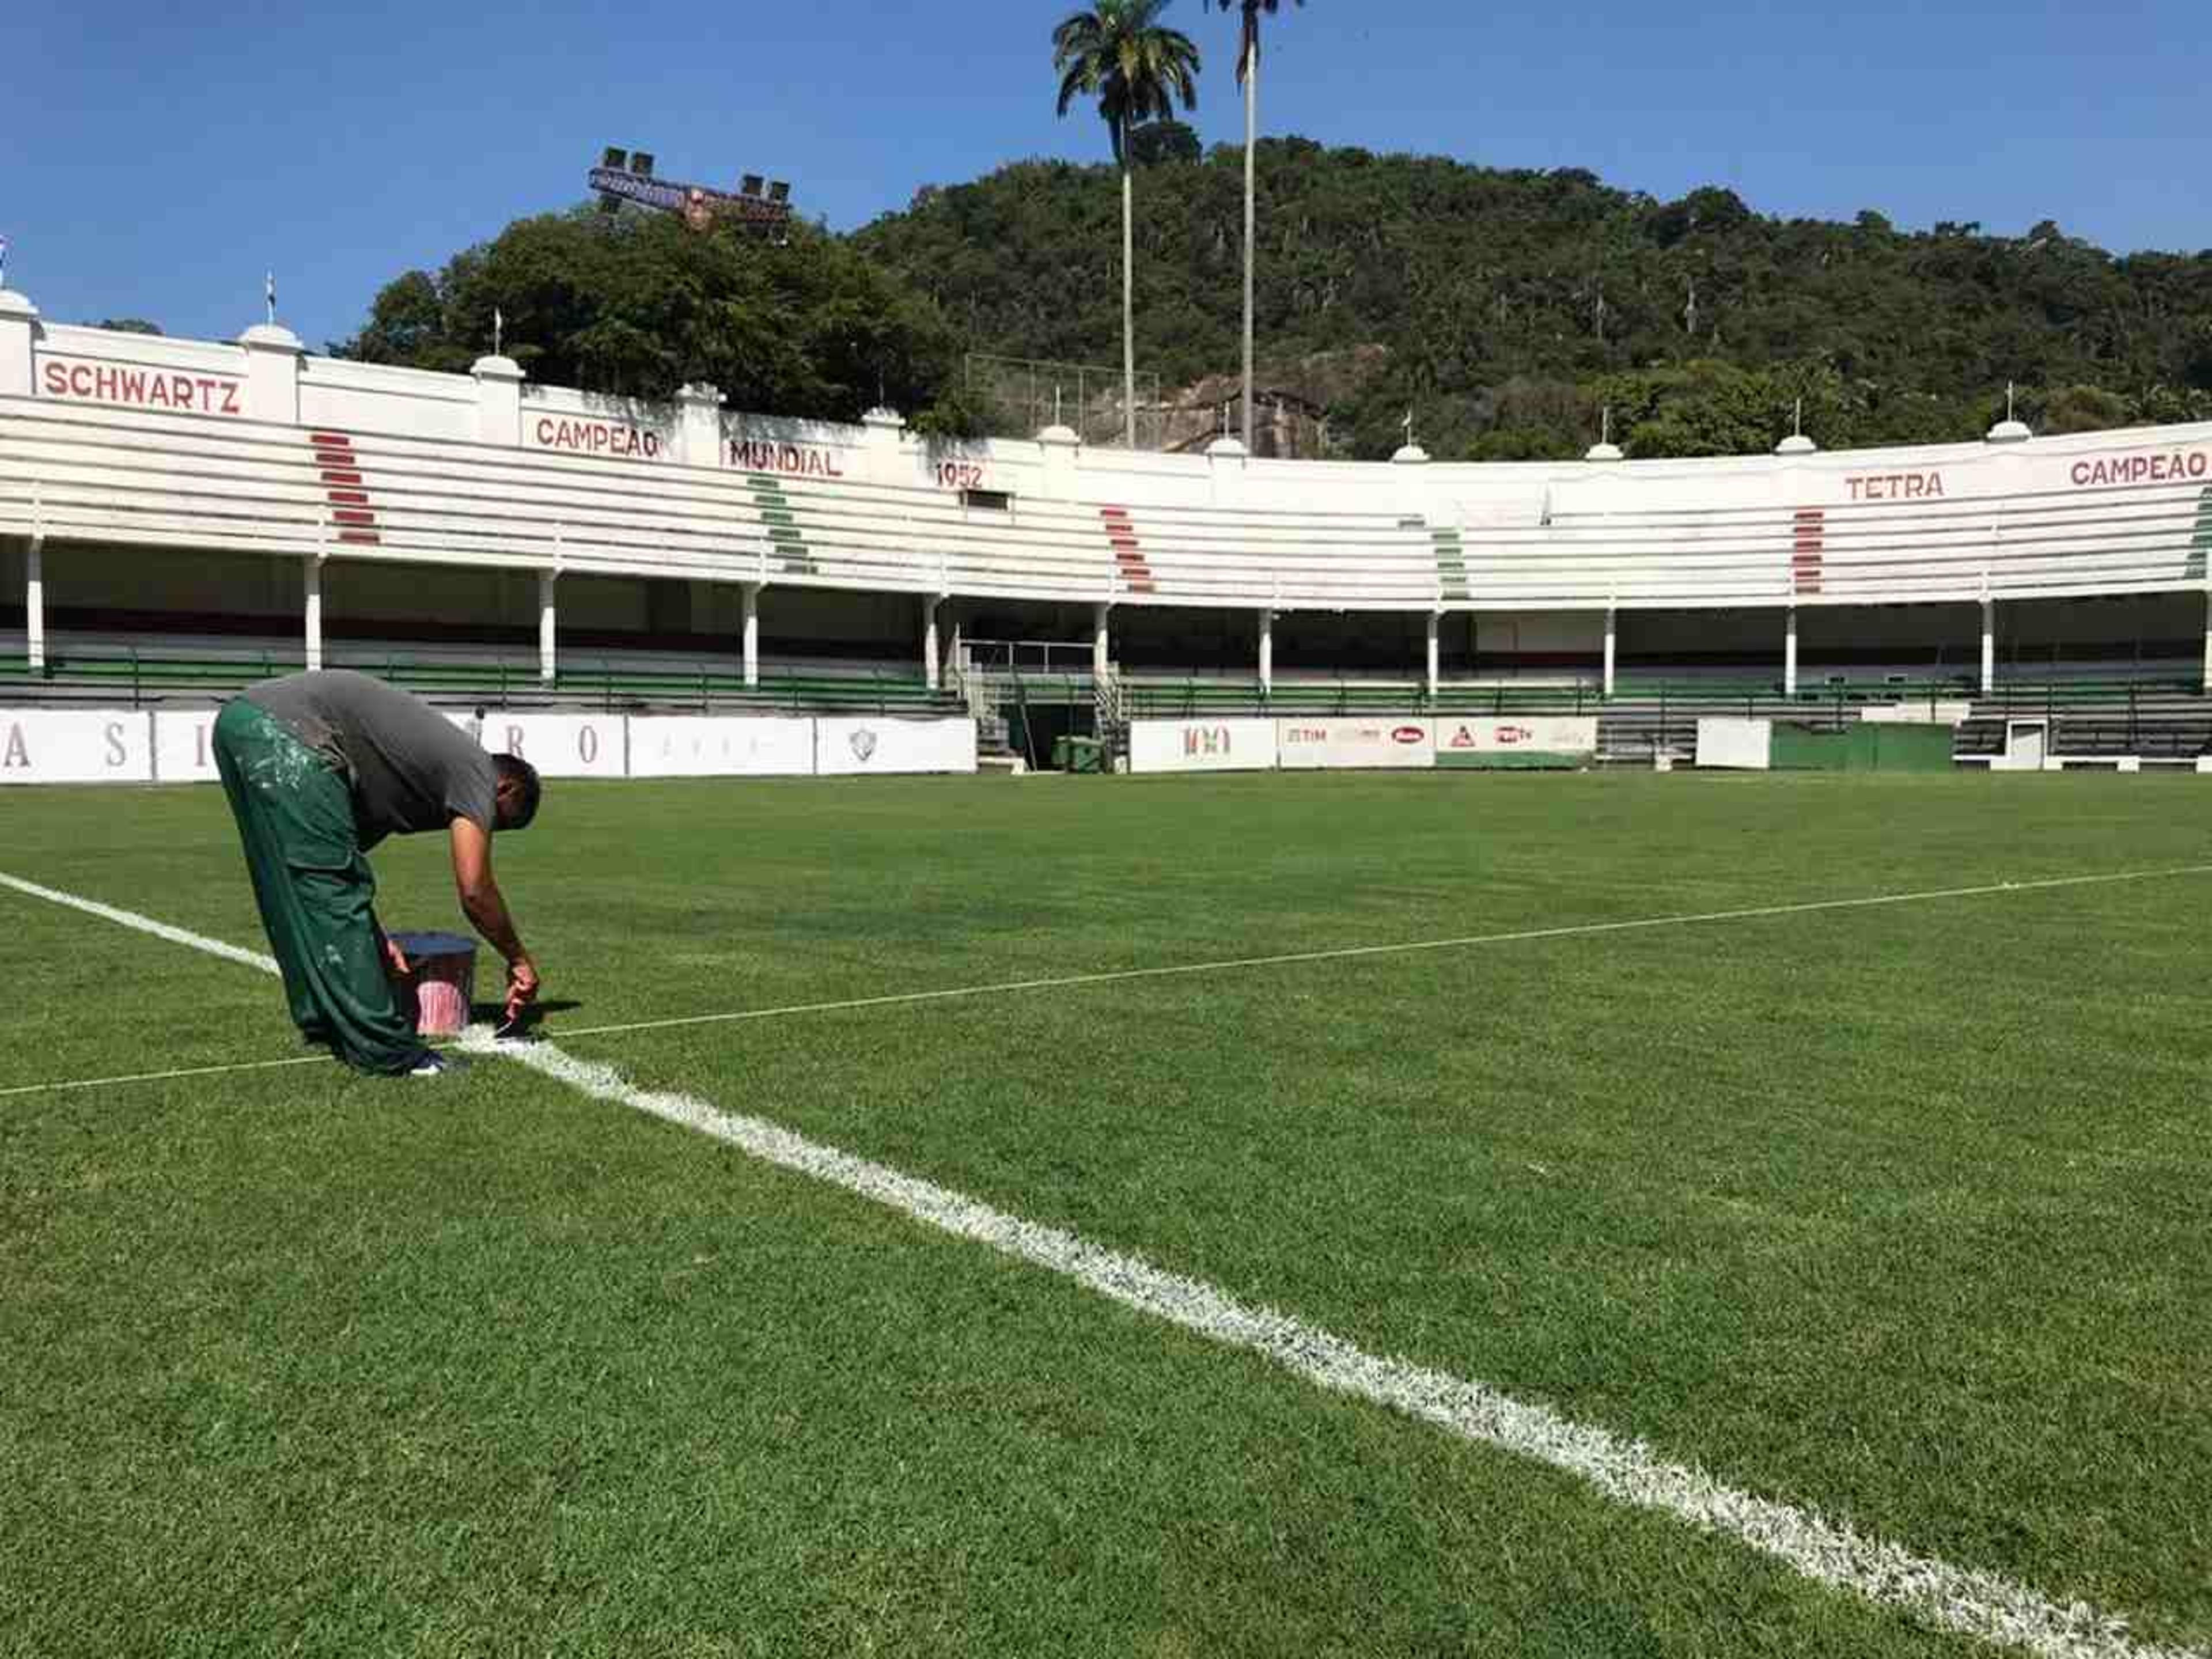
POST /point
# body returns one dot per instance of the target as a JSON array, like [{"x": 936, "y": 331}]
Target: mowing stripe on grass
[
  {"x": 214, "y": 947},
  {"x": 1576, "y": 930},
  {"x": 1980, "y": 1605}
]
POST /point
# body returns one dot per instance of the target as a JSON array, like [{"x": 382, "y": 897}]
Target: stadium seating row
[{"x": 145, "y": 479}]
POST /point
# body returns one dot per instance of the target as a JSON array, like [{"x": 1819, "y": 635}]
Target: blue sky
[{"x": 157, "y": 161}]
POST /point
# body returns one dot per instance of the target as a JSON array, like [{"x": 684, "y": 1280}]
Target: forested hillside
[
  {"x": 1513, "y": 304},
  {"x": 1509, "y": 308}
]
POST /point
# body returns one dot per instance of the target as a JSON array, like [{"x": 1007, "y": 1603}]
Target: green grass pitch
[{"x": 1900, "y": 1214}]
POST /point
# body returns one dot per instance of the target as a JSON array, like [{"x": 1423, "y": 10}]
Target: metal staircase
[{"x": 1110, "y": 697}]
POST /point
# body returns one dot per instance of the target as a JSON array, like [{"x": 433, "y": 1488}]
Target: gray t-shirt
[{"x": 410, "y": 769}]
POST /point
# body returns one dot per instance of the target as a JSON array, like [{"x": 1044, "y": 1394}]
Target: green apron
[{"x": 294, "y": 815}]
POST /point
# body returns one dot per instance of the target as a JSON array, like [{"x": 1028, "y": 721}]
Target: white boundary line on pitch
[
  {"x": 1347, "y": 953},
  {"x": 214, "y": 947},
  {"x": 1981, "y": 1605}
]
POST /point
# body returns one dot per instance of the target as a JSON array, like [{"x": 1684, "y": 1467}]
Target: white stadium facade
[{"x": 178, "y": 515}]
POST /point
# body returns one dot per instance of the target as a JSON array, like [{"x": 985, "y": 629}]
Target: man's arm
[{"x": 487, "y": 910}]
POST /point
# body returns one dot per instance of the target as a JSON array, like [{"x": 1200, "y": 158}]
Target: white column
[
  {"x": 34, "y": 603},
  {"x": 273, "y": 372},
  {"x": 18, "y": 328},
  {"x": 1789, "y": 656},
  {"x": 1225, "y": 465},
  {"x": 1266, "y": 651},
  {"x": 1436, "y": 621},
  {"x": 1608, "y": 651},
  {"x": 1989, "y": 646},
  {"x": 1063, "y": 453},
  {"x": 751, "y": 592},
  {"x": 929, "y": 642},
  {"x": 699, "y": 424},
  {"x": 499, "y": 400},
  {"x": 547, "y": 660},
  {"x": 1102, "y": 654},
  {"x": 883, "y": 447},
  {"x": 312, "y": 569}
]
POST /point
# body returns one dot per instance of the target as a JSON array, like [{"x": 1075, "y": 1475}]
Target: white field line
[
  {"x": 1980, "y": 1605},
  {"x": 1008, "y": 987},
  {"x": 214, "y": 947},
  {"x": 1970, "y": 1603},
  {"x": 1347, "y": 953},
  {"x": 164, "y": 1077}
]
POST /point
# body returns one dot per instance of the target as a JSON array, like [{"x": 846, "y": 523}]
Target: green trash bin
[{"x": 1079, "y": 755}]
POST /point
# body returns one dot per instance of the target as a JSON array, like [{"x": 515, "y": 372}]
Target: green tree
[
  {"x": 1248, "y": 76},
  {"x": 633, "y": 304},
  {"x": 1118, "y": 52},
  {"x": 1156, "y": 144}
]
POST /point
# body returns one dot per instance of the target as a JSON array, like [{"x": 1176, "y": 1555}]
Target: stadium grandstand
[{"x": 180, "y": 517}]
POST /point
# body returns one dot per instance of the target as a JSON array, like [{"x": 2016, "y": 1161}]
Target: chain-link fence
[{"x": 1019, "y": 396}]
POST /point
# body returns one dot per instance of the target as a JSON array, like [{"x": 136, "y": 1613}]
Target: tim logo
[{"x": 1203, "y": 742}]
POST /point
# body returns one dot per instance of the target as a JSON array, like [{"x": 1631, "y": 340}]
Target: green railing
[
  {"x": 1158, "y": 699},
  {"x": 140, "y": 678}
]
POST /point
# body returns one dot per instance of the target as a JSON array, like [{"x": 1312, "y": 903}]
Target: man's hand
[
  {"x": 521, "y": 985},
  {"x": 395, "y": 959}
]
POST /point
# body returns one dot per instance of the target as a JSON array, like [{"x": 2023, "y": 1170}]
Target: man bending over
[{"x": 319, "y": 767}]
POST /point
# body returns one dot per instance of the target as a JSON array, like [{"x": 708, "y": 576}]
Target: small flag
[
  {"x": 3, "y": 262},
  {"x": 498, "y": 330},
  {"x": 270, "y": 289}
]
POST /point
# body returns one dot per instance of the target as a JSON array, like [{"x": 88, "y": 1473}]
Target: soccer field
[{"x": 1419, "y": 1214}]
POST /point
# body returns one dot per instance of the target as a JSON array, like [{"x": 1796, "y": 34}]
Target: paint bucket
[{"x": 440, "y": 983}]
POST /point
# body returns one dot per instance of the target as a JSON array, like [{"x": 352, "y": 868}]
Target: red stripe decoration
[
  {"x": 1128, "y": 555},
  {"x": 344, "y": 488},
  {"x": 1807, "y": 549}
]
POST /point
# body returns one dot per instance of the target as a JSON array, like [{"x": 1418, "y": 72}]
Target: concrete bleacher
[{"x": 1670, "y": 536}]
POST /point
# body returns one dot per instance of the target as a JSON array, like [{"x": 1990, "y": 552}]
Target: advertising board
[
  {"x": 77, "y": 745},
  {"x": 1202, "y": 745},
  {"x": 1371, "y": 740},
  {"x": 558, "y": 745},
  {"x": 846, "y": 748},
  {"x": 1738, "y": 744},
  {"x": 720, "y": 746},
  {"x": 1515, "y": 740}
]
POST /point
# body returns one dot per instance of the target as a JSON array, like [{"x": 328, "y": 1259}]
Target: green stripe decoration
[
  {"x": 782, "y": 524},
  {"x": 1451, "y": 563},
  {"x": 2200, "y": 546}
]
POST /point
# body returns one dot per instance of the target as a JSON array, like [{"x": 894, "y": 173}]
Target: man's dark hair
[{"x": 512, "y": 769}]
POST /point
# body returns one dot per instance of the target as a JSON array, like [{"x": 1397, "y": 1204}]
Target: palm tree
[
  {"x": 1248, "y": 76},
  {"x": 1118, "y": 52}
]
